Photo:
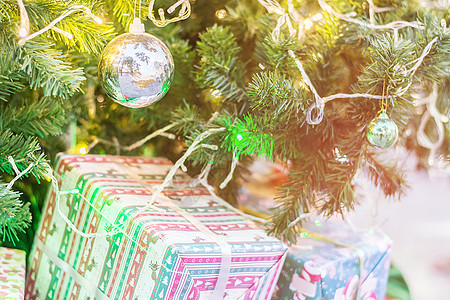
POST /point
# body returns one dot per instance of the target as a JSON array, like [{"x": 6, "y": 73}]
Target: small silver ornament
[
  {"x": 136, "y": 68},
  {"x": 382, "y": 131}
]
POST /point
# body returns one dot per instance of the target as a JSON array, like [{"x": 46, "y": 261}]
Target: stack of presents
[{"x": 103, "y": 236}]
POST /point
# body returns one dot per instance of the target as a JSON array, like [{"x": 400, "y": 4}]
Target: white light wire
[
  {"x": 75, "y": 8},
  {"x": 18, "y": 173},
  {"x": 184, "y": 13},
  {"x": 396, "y": 24},
  {"x": 315, "y": 113},
  {"x": 116, "y": 228},
  {"x": 140, "y": 143},
  {"x": 194, "y": 146},
  {"x": 439, "y": 120}
]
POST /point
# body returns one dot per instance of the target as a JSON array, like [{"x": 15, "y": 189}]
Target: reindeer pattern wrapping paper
[{"x": 150, "y": 254}]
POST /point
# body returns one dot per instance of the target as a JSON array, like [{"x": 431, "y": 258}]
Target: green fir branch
[
  {"x": 5, "y": 12},
  {"x": 388, "y": 60},
  {"x": 246, "y": 137},
  {"x": 14, "y": 215},
  {"x": 10, "y": 73},
  {"x": 297, "y": 196},
  {"x": 10, "y": 85},
  {"x": 274, "y": 56},
  {"x": 278, "y": 96},
  {"x": 220, "y": 67},
  {"x": 187, "y": 118},
  {"x": 48, "y": 69},
  {"x": 41, "y": 118},
  {"x": 436, "y": 65},
  {"x": 87, "y": 36},
  {"x": 388, "y": 178},
  {"x": 124, "y": 12},
  {"x": 337, "y": 196},
  {"x": 25, "y": 151}
]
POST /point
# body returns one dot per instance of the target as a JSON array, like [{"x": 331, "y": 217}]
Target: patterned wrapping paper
[
  {"x": 160, "y": 255},
  {"x": 12, "y": 274},
  {"x": 318, "y": 269}
]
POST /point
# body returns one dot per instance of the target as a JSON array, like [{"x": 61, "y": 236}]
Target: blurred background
[{"x": 419, "y": 226}]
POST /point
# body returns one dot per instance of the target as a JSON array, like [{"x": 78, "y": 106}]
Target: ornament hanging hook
[
  {"x": 134, "y": 12},
  {"x": 384, "y": 97}
]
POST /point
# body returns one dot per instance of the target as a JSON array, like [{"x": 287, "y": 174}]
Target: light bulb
[
  {"x": 307, "y": 24},
  {"x": 317, "y": 17},
  {"x": 216, "y": 93},
  {"x": 82, "y": 150},
  {"x": 98, "y": 20},
  {"x": 221, "y": 13},
  {"x": 23, "y": 32}
]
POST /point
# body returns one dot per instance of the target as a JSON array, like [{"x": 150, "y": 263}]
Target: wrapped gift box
[
  {"x": 12, "y": 273},
  {"x": 338, "y": 264},
  {"x": 145, "y": 254},
  {"x": 324, "y": 266}
]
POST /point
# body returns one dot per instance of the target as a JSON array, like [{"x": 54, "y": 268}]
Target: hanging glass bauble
[
  {"x": 136, "y": 68},
  {"x": 382, "y": 132}
]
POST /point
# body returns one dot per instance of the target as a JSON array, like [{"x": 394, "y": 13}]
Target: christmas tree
[
  {"x": 43, "y": 67},
  {"x": 298, "y": 82}
]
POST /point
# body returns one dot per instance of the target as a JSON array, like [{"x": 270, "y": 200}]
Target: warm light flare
[
  {"x": 23, "y": 32},
  {"x": 317, "y": 17},
  {"x": 221, "y": 13},
  {"x": 98, "y": 20},
  {"x": 307, "y": 24}
]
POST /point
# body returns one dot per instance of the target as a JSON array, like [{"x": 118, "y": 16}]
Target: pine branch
[
  {"x": 10, "y": 73},
  {"x": 244, "y": 18},
  {"x": 297, "y": 196},
  {"x": 187, "y": 118},
  {"x": 219, "y": 66},
  {"x": 278, "y": 96},
  {"x": 46, "y": 68},
  {"x": 338, "y": 193},
  {"x": 24, "y": 150},
  {"x": 436, "y": 65},
  {"x": 246, "y": 137},
  {"x": 40, "y": 118},
  {"x": 14, "y": 215},
  {"x": 8, "y": 86},
  {"x": 88, "y": 36},
  {"x": 388, "y": 59},
  {"x": 124, "y": 12},
  {"x": 387, "y": 177},
  {"x": 5, "y": 13},
  {"x": 271, "y": 55},
  {"x": 184, "y": 58}
]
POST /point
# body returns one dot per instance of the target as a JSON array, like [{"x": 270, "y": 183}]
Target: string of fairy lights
[
  {"x": 24, "y": 29},
  {"x": 284, "y": 19},
  {"x": 315, "y": 112}
]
